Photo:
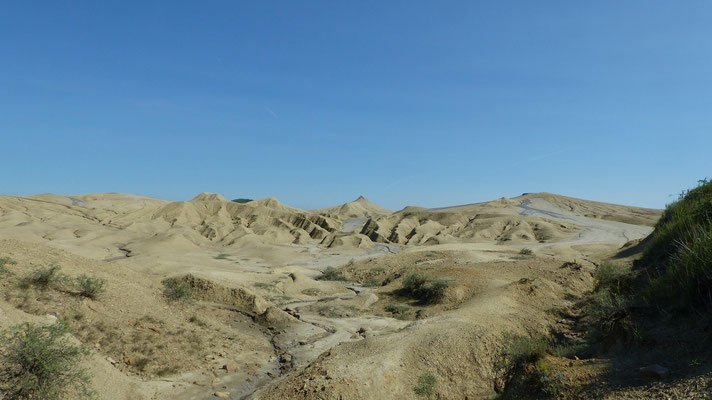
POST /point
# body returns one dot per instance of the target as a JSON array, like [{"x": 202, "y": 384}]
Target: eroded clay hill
[
  {"x": 115, "y": 225},
  {"x": 290, "y": 303}
]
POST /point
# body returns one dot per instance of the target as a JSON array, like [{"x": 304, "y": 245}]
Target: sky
[{"x": 318, "y": 102}]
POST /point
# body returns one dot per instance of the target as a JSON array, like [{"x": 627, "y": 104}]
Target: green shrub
[
  {"x": 222, "y": 256},
  {"x": 242, "y": 201},
  {"x": 606, "y": 311},
  {"x": 613, "y": 277},
  {"x": 606, "y": 315},
  {"x": 6, "y": 261},
  {"x": 520, "y": 350},
  {"x": 399, "y": 311},
  {"x": 373, "y": 282},
  {"x": 175, "y": 289},
  {"x": 45, "y": 278},
  {"x": 90, "y": 287},
  {"x": 39, "y": 362},
  {"x": 419, "y": 287},
  {"x": 526, "y": 252},
  {"x": 332, "y": 274},
  {"x": 426, "y": 385}
]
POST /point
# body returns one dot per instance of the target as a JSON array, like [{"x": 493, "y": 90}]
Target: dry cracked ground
[{"x": 350, "y": 302}]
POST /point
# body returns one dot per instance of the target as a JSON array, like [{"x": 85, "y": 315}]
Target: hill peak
[{"x": 206, "y": 196}]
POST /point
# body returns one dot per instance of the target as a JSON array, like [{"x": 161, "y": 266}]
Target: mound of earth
[{"x": 359, "y": 208}]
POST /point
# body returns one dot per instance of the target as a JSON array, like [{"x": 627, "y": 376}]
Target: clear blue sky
[{"x": 316, "y": 103}]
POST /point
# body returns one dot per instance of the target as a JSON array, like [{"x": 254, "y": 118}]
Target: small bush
[
  {"x": 90, "y": 287},
  {"x": 419, "y": 287},
  {"x": 373, "y": 282},
  {"x": 45, "y": 278},
  {"x": 175, "y": 289},
  {"x": 332, "y": 274},
  {"x": 526, "y": 252},
  {"x": 222, "y": 256},
  {"x": 399, "y": 311},
  {"x": 520, "y": 350},
  {"x": 41, "y": 363},
  {"x": 613, "y": 277},
  {"x": 141, "y": 363},
  {"x": 6, "y": 261},
  {"x": 426, "y": 385},
  {"x": 607, "y": 315}
]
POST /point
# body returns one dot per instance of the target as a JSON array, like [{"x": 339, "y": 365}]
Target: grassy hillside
[{"x": 679, "y": 258}]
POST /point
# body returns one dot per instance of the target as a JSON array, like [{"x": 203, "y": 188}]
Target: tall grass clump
[
  {"x": 680, "y": 255},
  {"x": 39, "y": 362}
]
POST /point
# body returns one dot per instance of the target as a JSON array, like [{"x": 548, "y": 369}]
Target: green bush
[
  {"x": 426, "y": 290},
  {"x": 175, "y": 289},
  {"x": 242, "y": 201},
  {"x": 45, "y": 278},
  {"x": 39, "y": 362},
  {"x": 519, "y": 350},
  {"x": 373, "y": 282},
  {"x": 332, "y": 274},
  {"x": 613, "y": 277},
  {"x": 90, "y": 287},
  {"x": 399, "y": 311},
  {"x": 426, "y": 385},
  {"x": 526, "y": 252},
  {"x": 6, "y": 261}
]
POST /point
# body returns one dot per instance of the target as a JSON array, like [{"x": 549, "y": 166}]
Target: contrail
[{"x": 274, "y": 114}]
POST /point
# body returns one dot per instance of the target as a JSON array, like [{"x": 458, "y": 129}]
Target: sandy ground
[{"x": 298, "y": 337}]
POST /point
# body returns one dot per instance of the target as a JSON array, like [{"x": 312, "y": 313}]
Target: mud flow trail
[{"x": 594, "y": 230}]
